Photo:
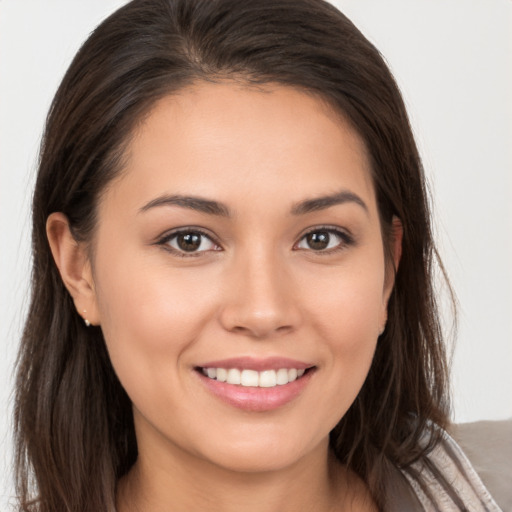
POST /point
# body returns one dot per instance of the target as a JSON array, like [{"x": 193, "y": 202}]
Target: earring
[{"x": 87, "y": 323}]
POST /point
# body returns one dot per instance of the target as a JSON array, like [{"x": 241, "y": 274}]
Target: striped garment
[{"x": 443, "y": 481}]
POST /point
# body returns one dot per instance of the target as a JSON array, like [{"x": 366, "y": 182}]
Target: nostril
[
  {"x": 261, "y": 330},
  {"x": 259, "y": 315}
]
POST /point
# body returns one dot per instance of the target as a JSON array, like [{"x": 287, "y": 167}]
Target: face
[{"x": 239, "y": 275}]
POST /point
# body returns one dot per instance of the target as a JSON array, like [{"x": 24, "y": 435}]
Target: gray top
[{"x": 446, "y": 481}]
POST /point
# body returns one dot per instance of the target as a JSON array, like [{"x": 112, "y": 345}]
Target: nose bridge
[{"x": 259, "y": 301}]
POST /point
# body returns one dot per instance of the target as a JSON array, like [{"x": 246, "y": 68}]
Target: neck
[{"x": 183, "y": 482}]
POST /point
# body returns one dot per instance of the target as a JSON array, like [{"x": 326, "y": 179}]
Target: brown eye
[
  {"x": 324, "y": 240},
  {"x": 318, "y": 240},
  {"x": 191, "y": 242}
]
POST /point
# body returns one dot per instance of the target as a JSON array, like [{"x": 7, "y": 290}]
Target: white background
[{"x": 453, "y": 61}]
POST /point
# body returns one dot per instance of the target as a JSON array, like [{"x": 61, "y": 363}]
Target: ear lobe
[{"x": 74, "y": 266}]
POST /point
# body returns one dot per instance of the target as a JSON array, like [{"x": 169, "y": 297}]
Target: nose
[{"x": 260, "y": 301}]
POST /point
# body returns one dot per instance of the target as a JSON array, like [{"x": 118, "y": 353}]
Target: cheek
[
  {"x": 148, "y": 317},
  {"x": 149, "y": 325},
  {"x": 347, "y": 313},
  {"x": 350, "y": 304}
]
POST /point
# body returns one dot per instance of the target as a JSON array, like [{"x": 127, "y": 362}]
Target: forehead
[{"x": 214, "y": 139}]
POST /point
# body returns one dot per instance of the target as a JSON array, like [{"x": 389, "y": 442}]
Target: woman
[{"x": 232, "y": 299}]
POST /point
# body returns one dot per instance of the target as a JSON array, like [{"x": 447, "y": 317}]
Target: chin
[
  {"x": 256, "y": 462},
  {"x": 248, "y": 456}
]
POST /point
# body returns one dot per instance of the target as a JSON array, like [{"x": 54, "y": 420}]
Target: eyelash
[
  {"x": 165, "y": 240},
  {"x": 346, "y": 240}
]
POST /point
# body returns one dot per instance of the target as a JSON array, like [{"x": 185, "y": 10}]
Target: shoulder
[
  {"x": 444, "y": 479},
  {"x": 488, "y": 446}
]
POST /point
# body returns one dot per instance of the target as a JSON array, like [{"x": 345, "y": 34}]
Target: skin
[{"x": 255, "y": 288}]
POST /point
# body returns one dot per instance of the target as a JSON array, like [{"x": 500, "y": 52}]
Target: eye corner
[
  {"x": 324, "y": 240},
  {"x": 195, "y": 242}
]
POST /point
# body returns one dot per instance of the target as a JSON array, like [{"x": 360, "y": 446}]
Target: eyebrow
[
  {"x": 323, "y": 202},
  {"x": 211, "y": 207},
  {"x": 191, "y": 202}
]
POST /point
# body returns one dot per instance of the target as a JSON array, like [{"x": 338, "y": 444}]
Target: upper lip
[{"x": 257, "y": 364}]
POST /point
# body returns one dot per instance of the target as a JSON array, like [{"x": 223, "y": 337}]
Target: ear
[
  {"x": 74, "y": 266},
  {"x": 397, "y": 232}
]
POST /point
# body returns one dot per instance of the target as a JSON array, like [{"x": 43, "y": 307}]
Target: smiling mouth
[{"x": 253, "y": 378}]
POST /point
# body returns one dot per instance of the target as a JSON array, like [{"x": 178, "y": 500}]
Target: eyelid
[
  {"x": 346, "y": 237},
  {"x": 342, "y": 233},
  {"x": 165, "y": 238}
]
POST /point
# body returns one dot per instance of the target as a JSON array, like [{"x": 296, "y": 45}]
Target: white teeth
[
  {"x": 292, "y": 374},
  {"x": 222, "y": 374},
  {"x": 282, "y": 376},
  {"x": 233, "y": 376},
  {"x": 249, "y": 378},
  {"x": 252, "y": 378},
  {"x": 268, "y": 379}
]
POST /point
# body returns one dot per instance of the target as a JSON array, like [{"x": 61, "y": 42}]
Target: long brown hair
[{"x": 74, "y": 428}]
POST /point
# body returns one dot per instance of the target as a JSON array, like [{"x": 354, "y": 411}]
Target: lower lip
[{"x": 257, "y": 399}]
